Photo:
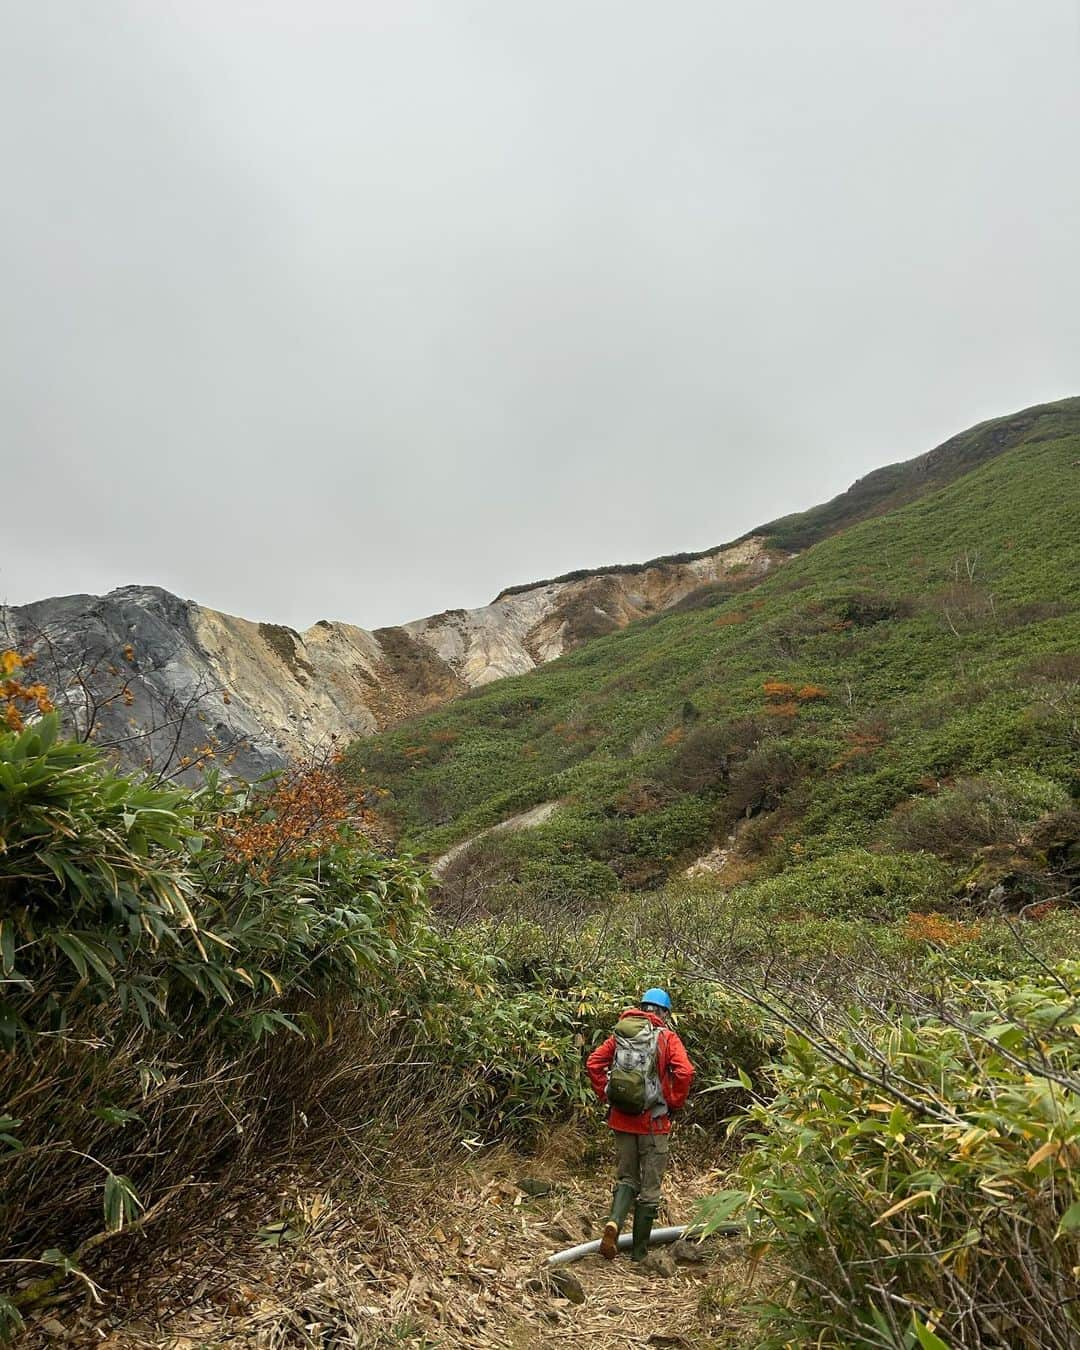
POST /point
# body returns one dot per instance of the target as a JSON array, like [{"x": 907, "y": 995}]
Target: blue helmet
[{"x": 658, "y": 998}]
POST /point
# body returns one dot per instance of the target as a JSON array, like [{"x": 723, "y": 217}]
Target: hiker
[{"x": 643, "y": 1073}]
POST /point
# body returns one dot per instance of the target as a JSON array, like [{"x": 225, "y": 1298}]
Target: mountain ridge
[{"x": 265, "y": 693}]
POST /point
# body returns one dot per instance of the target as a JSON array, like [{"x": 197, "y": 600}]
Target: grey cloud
[{"x": 362, "y": 310}]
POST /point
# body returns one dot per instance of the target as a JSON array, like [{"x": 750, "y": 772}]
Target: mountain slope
[
  {"x": 936, "y": 641},
  {"x": 162, "y": 679},
  {"x": 895, "y": 485}
]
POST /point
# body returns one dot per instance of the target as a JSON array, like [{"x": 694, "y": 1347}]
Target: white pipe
[{"x": 658, "y": 1237}]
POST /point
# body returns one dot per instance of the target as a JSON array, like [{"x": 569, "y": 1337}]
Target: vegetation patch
[{"x": 283, "y": 642}]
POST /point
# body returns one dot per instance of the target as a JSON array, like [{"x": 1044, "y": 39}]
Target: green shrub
[
  {"x": 861, "y": 609},
  {"x": 925, "y": 1167},
  {"x": 851, "y": 884},
  {"x": 552, "y": 882},
  {"x": 555, "y": 991},
  {"x": 975, "y": 813},
  {"x": 190, "y": 977},
  {"x": 671, "y": 832},
  {"x": 159, "y": 981},
  {"x": 997, "y": 949},
  {"x": 703, "y": 758},
  {"x": 763, "y": 779}
]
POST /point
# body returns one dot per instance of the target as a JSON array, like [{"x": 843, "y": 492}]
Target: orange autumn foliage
[
  {"x": 939, "y": 930},
  {"x": 673, "y": 737},
  {"x": 783, "y": 699},
  {"x": 18, "y": 696},
  {"x": 777, "y": 689},
  {"x": 861, "y": 742},
  {"x": 780, "y": 698},
  {"x": 306, "y": 812}
]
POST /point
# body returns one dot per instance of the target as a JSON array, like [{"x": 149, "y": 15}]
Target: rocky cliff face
[{"x": 160, "y": 679}]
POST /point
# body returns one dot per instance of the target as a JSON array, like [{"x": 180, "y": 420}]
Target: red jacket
[{"x": 676, "y": 1075}]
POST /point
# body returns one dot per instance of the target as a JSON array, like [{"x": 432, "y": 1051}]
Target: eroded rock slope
[{"x": 160, "y": 678}]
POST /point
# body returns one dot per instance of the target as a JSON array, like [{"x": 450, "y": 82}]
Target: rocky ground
[{"x": 452, "y": 1263}]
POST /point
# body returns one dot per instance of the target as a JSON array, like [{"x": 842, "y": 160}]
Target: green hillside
[
  {"x": 924, "y": 653},
  {"x": 881, "y": 490},
  {"x": 895, "y": 485}
]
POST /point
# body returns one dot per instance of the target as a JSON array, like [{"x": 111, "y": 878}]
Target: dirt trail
[
  {"x": 525, "y": 820},
  {"x": 459, "y": 1264}
]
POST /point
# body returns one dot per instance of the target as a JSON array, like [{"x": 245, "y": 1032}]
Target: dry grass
[{"x": 415, "y": 1260}]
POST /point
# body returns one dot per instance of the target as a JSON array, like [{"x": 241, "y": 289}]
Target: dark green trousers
[{"x": 640, "y": 1160}]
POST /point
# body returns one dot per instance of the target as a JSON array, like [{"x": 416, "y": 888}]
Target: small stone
[
  {"x": 692, "y": 1253},
  {"x": 567, "y": 1286},
  {"x": 535, "y": 1186},
  {"x": 659, "y": 1263}
]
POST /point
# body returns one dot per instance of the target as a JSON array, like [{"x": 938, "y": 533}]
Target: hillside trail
[{"x": 438, "y": 1263}]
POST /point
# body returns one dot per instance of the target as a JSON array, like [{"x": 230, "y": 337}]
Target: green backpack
[{"x": 634, "y": 1078}]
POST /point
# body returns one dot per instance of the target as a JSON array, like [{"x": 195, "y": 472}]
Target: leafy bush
[
  {"x": 975, "y": 813},
  {"x": 862, "y": 609},
  {"x": 172, "y": 964},
  {"x": 763, "y": 779},
  {"x": 918, "y": 1178},
  {"x": 555, "y": 990},
  {"x": 573, "y": 882},
  {"x": 193, "y": 978},
  {"x": 705, "y": 755},
  {"x": 851, "y": 884},
  {"x": 700, "y": 761}
]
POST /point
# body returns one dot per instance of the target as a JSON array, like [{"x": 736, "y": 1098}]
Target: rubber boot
[
  {"x": 621, "y": 1200},
  {"x": 644, "y": 1217}
]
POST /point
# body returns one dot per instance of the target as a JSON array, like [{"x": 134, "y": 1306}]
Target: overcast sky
[{"x": 363, "y": 310}]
